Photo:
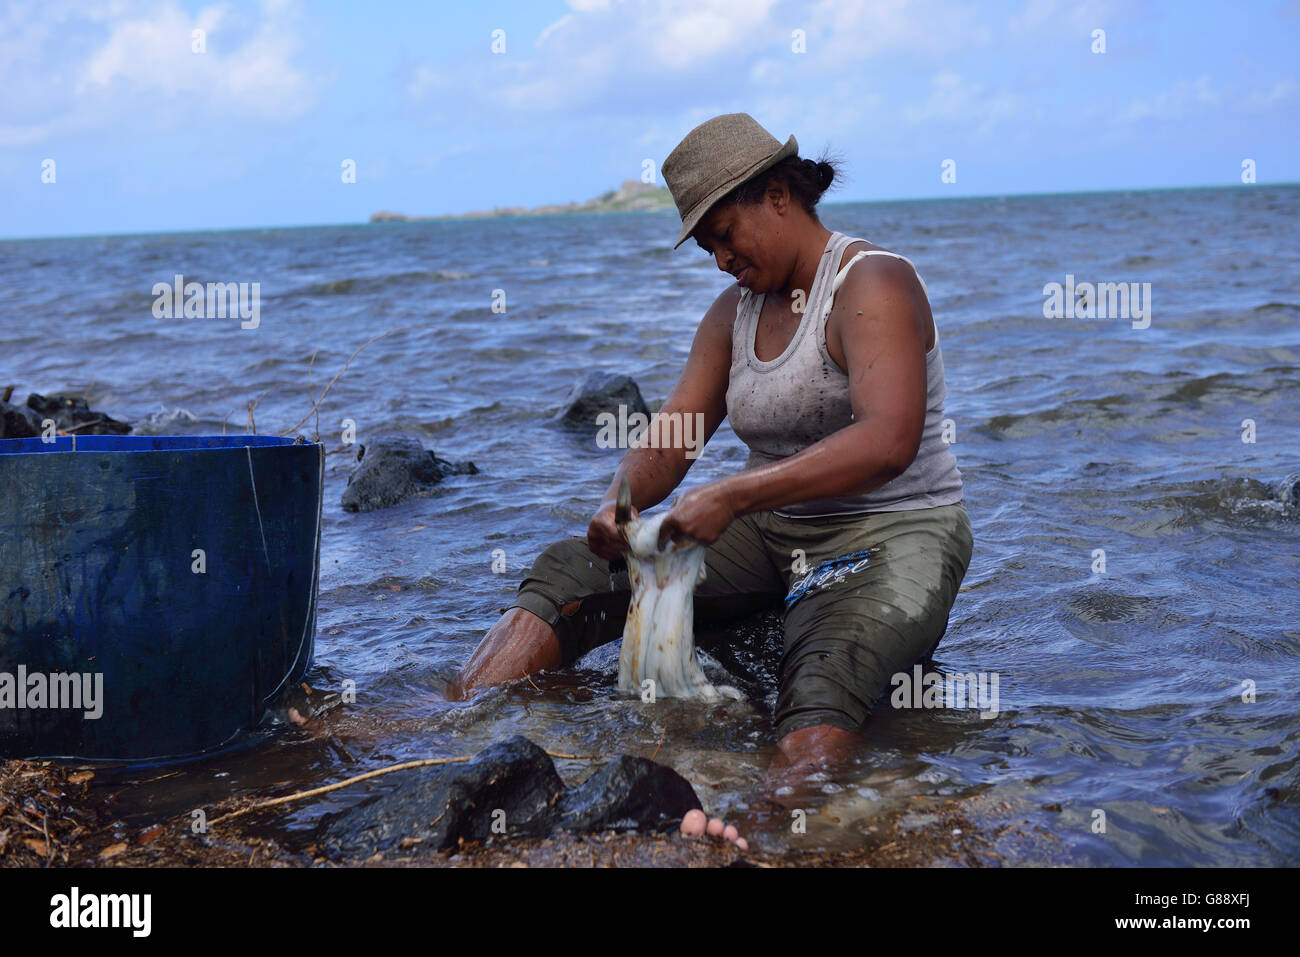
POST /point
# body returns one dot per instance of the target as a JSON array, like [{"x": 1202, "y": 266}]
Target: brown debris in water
[
  {"x": 49, "y": 816},
  {"x": 43, "y": 814}
]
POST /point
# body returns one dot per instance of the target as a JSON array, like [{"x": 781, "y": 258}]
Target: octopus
[{"x": 658, "y": 636}]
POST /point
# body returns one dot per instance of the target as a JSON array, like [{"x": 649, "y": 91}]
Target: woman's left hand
[{"x": 701, "y": 514}]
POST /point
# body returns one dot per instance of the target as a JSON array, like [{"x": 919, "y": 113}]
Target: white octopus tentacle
[{"x": 659, "y": 637}]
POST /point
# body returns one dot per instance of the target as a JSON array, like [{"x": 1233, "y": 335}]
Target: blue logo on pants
[{"x": 829, "y": 572}]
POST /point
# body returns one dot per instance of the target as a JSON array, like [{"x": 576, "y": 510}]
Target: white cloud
[
  {"x": 1072, "y": 17},
  {"x": 424, "y": 80},
  {"x": 682, "y": 34},
  {"x": 955, "y": 102},
  {"x": 842, "y": 33},
  {"x": 620, "y": 54},
  {"x": 557, "y": 25},
  {"x": 1283, "y": 91},
  {"x": 67, "y": 68},
  {"x": 247, "y": 71},
  {"x": 1178, "y": 101}
]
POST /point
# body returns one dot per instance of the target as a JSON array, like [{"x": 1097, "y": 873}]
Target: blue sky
[{"x": 146, "y": 134}]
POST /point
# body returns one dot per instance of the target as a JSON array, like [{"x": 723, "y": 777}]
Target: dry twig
[
  {"x": 314, "y": 410},
  {"x": 405, "y": 765}
]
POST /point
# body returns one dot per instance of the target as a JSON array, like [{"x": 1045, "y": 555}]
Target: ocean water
[{"x": 1123, "y": 690}]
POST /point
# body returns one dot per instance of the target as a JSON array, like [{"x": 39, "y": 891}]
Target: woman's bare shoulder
[
  {"x": 877, "y": 280},
  {"x": 858, "y": 246},
  {"x": 726, "y": 307},
  {"x": 878, "y": 272}
]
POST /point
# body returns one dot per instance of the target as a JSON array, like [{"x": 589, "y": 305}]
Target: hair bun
[{"x": 825, "y": 174}]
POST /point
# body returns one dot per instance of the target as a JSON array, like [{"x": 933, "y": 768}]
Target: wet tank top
[{"x": 782, "y": 406}]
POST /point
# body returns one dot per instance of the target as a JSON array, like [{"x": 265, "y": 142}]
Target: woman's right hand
[{"x": 602, "y": 534}]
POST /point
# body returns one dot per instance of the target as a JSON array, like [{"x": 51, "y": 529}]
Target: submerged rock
[
  {"x": 601, "y": 392},
  {"x": 394, "y": 468},
  {"x": 510, "y": 789},
  {"x": 72, "y": 413},
  {"x": 18, "y": 422},
  {"x": 628, "y": 793}
]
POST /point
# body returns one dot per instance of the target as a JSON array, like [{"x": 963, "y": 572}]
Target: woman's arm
[
  {"x": 884, "y": 319},
  {"x": 653, "y": 473}
]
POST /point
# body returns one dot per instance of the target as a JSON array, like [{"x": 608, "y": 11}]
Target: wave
[
  {"x": 1238, "y": 499},
  {"x": 1230, "y": 385},
  {"x": 179, "y": 421},
  {"x": 1106, "y": 605},
  {"x": 1146, "y": 399},
  {"x": 1288, "y": 307},
  {"x": 358, "y": 284}
]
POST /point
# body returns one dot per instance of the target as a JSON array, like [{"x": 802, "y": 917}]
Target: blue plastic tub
[{"x": 177, "y": 574}]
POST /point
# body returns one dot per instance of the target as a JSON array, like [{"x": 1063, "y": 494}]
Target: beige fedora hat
[{"x": 715, "y": 158}]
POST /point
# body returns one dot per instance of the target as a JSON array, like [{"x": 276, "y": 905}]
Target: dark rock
[
  {"x": 18, "y": 422},
  {"x": 629, "y": 793},
  {"x": 394, "y": 468},
  {"x": 432, "y": 809},
  {"x": 601, "y": 392},
  {"x": 73, "y": 413}
]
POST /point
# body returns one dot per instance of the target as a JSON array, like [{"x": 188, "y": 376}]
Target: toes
[
  {"x": 696, "y": 823},
  {"x": 693, "y": 823}
]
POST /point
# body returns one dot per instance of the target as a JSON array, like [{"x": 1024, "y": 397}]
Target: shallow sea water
[{"x": 1119, "y": 690}]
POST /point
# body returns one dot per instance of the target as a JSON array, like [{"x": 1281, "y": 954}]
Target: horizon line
[{"x": 463, "y": 217}]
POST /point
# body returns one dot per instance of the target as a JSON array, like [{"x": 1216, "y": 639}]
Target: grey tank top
[{"x": 782, "y": 406}]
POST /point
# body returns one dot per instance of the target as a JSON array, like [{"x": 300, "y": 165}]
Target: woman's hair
[{"x": 806, "y": 179}]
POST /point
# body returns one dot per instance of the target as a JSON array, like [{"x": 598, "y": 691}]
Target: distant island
[{"x": 632, "y": 195}]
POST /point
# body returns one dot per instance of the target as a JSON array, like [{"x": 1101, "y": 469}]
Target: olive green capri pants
[{"x": 864, "y": 596}]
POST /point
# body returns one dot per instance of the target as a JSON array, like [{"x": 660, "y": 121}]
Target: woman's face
[{"x": 749, "y": 241}]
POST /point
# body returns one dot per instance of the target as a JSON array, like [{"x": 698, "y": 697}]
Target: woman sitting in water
[{"x": 849, "y": 508}]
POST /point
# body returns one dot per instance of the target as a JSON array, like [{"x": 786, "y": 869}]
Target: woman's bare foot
[
  {"x": 804, "y": 761},
  {"x": 696, "y": 823},
  {"x": 817, "y": 745}
]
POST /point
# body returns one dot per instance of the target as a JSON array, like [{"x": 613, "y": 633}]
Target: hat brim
[{"x": 700, "y": 209}]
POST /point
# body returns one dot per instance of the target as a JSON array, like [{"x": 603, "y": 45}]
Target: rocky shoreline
[
  {"x": 631, "y": 196},
  {"x": 55, "y": 816},
  {"x": 53, "y": 415}
]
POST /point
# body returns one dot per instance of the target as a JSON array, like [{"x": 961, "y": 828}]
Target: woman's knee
[
  {"x": 844, "y": 643},
  {"x": 575, "y": 591}
]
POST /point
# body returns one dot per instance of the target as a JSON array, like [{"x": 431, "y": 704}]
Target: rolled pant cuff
[
  {"x": 548, "y": 609},
  {"x": 835, "y": 719},
  {"x": 541, "y": 606}
]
